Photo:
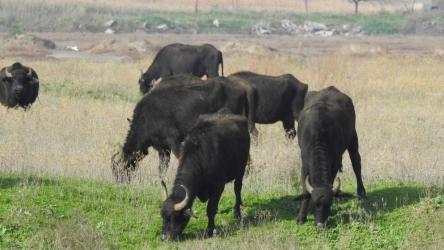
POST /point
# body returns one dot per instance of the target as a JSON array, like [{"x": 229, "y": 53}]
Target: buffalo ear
[
  {"x": 188, "y": 212},
  {"x": 190, "y": 141}
]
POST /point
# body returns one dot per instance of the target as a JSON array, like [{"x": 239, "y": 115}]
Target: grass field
[
  {"x": 56, "y": 188},
  {"x": 64, "y": 213},
  {"x": 22, "y": 16},
  {"x": 256, "y": 5}
]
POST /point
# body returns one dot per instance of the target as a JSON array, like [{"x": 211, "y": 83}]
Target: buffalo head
[
  {"x": 20, "y": 86},
  {"x": 322, "y": 198},
  {"x": 123, "y": 166},
  {"x": 147, "y": 82},
  {"x": 175, "y": 212}
]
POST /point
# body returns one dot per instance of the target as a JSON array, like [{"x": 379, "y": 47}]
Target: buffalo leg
[
  {"x": 302, "y": 216},
  {"x": 237, "y": 190},
  {"x": 288, "y": 124},
  {"x": 303, "y": 211},
  {"x": 355, "y": 158},
  {"x": 212, "y": 206},
  {"x": 164, "y": 160}
]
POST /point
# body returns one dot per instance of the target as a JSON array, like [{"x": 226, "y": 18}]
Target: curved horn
[
  {"x": 336, "y": 185},
  {"x": 7, "y": 73},
  {"x": 30, "y": 72},
  {"x": 181, "y": 205},
  {"x": 164, "y": 190},
  {"x": 157, "y": 81},
  {"x": 308, "y": 187}
]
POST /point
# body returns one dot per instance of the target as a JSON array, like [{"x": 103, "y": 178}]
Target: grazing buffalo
[
  {"x": 214, "y": 153},
  {"x": 164, "y": 116},
  {"x": 19, "y": 86},
  {"x": 188, "y": 79},
  {"x": 178, "y": 58},
  {"x": 279, "y": 98},
  {"x": 326, "y": 128},
  {"x": 179, "y": 80}
]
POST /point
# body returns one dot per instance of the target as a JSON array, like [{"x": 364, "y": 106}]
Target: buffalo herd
[{"x": 207, "y": 125}]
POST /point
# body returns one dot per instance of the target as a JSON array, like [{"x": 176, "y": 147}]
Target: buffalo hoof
[
  {"x": 165, "y": 238},
  {"x": 321, "y": 225},
  {"x": 301, "y": 221},
  {"x": 362, "y": 197},
  {"x": 237, "y": 214},
  {"x": 209, "y": 232}
]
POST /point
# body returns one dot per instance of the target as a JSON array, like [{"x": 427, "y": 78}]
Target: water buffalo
[
  {"x": 279, "y": 98},
  {"x": 214, "y": 153},
  {"x": 163, "y": 117},
  {"x": 189, "y": 79},
  {"x": 326, "y": 128},
  {"x": 19, "y": 86},
  {"x": 178, "y": 58}
]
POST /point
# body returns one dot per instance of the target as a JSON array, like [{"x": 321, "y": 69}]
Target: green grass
[
  {"x": 43, "y": 212},
  {"x": 378, "y": 24},
  {"x": 68, "y": 89},
  {"x": 241, "y": 22},
  {"x": 47, "y": 17}
]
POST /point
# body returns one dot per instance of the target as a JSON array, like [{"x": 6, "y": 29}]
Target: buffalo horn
[
  {"x": 164, "y": 191},
  {"x": 7, "y": 73},
  {"x": 308, "y": 187},
  {"x": 181, "y": 205},
  {"x": 157, "y": 81},
  {"x": 30, "y": 72},
  {"x": 336, "y": 185}
]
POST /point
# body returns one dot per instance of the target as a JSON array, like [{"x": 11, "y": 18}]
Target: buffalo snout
[{"x": 18, "y": 89}]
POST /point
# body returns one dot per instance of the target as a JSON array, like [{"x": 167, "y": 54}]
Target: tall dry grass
[{"x": 70, "y": 131}]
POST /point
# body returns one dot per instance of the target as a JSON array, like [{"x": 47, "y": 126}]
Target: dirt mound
[
  {"x": 361, "y": 50},
  {"x": 133, "y": 48},
  {"x": 26, "y": 45},
  {"x": 120, "y": 45},
  {"x": 251, "y": 48}
]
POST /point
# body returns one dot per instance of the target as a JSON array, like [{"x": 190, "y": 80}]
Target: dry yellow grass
[
  {"x": 257, "y": 5},
  {"x": 398, "y": 100}
]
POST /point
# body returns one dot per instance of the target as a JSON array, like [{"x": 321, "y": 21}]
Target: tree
[
  {"x": 356, "y": 2},
  {"x": 306, "y": 6},
  {"x": 196, "y": 6},
  {"x": 235, "y": 4}
]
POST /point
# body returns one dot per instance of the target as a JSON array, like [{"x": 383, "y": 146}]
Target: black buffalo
[
  {"x": 326, "y": 128},
  {"x": 279, "y": 98},
  {"x": 164, "y": 116},
  {"x": 182, "y": 80},
  {"x": 178, "y": 58},
  {"x": 215, "y": 152},
  {"x": 19, "y": 86}
]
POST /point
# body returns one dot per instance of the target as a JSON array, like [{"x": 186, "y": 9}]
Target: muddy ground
[{"x": 136, "y": 46}]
